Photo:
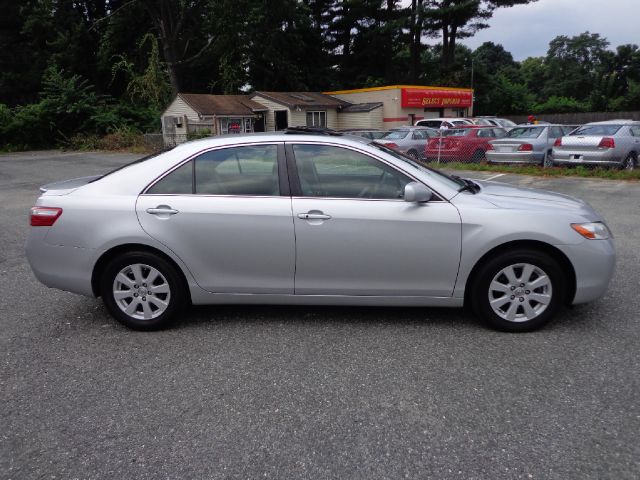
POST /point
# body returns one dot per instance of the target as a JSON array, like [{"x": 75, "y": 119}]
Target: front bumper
[{"x": 594, "y": 264}]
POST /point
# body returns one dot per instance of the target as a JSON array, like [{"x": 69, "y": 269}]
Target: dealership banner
[{"x": 428, "y": 98}]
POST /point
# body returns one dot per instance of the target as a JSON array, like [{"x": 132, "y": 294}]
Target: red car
[{"x": 462, "y": 144}]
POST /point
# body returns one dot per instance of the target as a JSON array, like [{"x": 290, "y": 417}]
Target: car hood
[{"x": 507, "y": 196}]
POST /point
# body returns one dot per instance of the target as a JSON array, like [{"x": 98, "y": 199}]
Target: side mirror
[{"x": 415, "y": 192}]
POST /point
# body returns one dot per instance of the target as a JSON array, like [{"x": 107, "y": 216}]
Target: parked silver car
[
  {"x": 443, "y": 122},
  {"x": 313, "y": 219},
  {"x": 610, "y": 143},
  {"x": 409, "y": 140},
  {"x": 526, "y": 144},
  {"x": 493, "y": 122}
]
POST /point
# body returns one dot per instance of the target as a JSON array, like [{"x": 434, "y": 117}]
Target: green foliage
[
  {"x": 201, "y": 133},
  {"x": 152, "y": 85},
  {"x": 555, "y": 104}
]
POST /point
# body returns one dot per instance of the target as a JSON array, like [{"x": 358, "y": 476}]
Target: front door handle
[
  {"x": 162, "y": 210},
  {"x": 314, "y": 216}
]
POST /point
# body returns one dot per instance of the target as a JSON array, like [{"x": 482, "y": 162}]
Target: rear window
[
  {"x": 597, "y": 130},
  {"x": 525, "y": 132}
]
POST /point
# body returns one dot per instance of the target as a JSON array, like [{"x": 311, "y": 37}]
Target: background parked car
[
  {"x": 409, "y": 140},
  {"x": 526, "y": 144},
  {"x": 612, "y": 143},
  {"x": 370, "y": 134},
  {"x": 464, "y": 144},
  {"x": 493, "y": 121},
  {"x": 447, "y": 122}
]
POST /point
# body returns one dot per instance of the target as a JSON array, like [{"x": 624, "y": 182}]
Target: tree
[
  {"x": 456, "y": 19},
  {"x": 573, "y": 64}
]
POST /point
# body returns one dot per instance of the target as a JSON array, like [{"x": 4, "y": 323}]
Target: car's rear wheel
[
  {"x": 547, "y": 160},
  {"x": 629, "y": 162},
  {"x": 413, "y": 154},
  {"x": 518, "y": 291},
  {"x": 142, "y": 290}
]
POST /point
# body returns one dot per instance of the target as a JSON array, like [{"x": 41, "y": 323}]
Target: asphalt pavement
[{"x": 247, "y": 392}]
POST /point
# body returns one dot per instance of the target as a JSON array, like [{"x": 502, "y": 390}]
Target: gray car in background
[
  {"x": 301, "y": 219},
  {"x": 526, "y": 144},
  {"x": 409, "y": 140},
  {"x": 611, "y": 143}
]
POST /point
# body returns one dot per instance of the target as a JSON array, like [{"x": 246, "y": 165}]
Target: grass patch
[{"x": 536, "y": 170}]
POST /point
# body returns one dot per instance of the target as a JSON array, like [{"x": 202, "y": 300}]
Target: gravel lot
[{"x": 299, "y": 392}]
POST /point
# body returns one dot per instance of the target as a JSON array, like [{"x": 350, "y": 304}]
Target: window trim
[{"x": 283, "y": 177}]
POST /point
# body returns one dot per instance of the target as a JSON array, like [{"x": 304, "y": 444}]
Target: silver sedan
[
  {"x": 611, "y": 143},
  {"x": 313, "y": 219},
  {"x": 526, "y": 144}
]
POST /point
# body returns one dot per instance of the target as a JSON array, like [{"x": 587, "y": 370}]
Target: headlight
[{"x": 592, "y": 230}]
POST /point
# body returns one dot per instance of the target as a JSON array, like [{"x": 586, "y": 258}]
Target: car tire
[
  {"x": 547, "y": 160},
  {"x": 518, "y": 290},
  {"x": 478, "y": 156},
  {"x": 142, "y": 290},
  {"x": 630, "y": 162},
  {"x": 413, "y": 154}
]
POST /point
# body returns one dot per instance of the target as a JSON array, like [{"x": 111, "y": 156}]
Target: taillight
[
  {"x": 525, "y": 147},
  {"x": 607, "y": 142},
  {"x": 558, "y": 142},
  {"x": 44, "y": 216},
  {"x": 391, "y": 145}
]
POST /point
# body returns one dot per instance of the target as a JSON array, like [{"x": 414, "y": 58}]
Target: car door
[
  {"x": 227, "y": 214},
  {"x": 355, "y": 235}
]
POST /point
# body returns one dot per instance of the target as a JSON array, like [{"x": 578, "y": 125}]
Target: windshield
[
  {"x": 597, "y": 130},
  {"x": 505, "y": 122},
  {"x": 396, "y": 135},
  {"x": 525, "y": 132},
  {"x": 408, "y": 161}
]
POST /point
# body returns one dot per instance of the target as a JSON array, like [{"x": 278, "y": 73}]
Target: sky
[{"x": 526, "y": 30}]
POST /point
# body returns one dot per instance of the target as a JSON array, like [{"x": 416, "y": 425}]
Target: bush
[
  {"x": 202, "y": 133},
  {"x": 560, "y": 105}
]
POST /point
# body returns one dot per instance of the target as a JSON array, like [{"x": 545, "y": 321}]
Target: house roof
[
  {"x": 205, "y": 104},
  {"x": 361, "y": 107},
  {"x": 303, "y": 100}
]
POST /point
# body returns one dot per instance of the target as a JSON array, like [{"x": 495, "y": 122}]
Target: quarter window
[{"x": 328, "y": 171}]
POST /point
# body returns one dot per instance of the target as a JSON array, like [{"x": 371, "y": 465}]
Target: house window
[
  {"x": 232, "y": 125},
  {"x": 316, "y": 119}
]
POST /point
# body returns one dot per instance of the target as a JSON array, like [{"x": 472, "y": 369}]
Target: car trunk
[{"x": 579, "y": 142}]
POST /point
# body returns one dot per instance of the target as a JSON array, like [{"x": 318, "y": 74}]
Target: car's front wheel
[
  {"x": 142, "y": 290},
  {"x": 518, "y": 291}
]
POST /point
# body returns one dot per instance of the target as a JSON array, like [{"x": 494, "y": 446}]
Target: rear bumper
[
  {"x": 580, "y": 157},
  {"x": 64, "y": 268},
  {"x": 514, "y": 157}
]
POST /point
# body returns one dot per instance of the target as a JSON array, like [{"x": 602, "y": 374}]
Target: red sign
[{"x": 427, "y": 98}]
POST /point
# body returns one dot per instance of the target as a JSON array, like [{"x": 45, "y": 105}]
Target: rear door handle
[
  {"x": 162, "y": 210},
  {"x": 314, "y": 216}
]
